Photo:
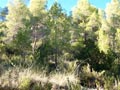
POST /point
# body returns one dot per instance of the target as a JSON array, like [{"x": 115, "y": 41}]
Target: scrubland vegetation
[{"x": 47, "y": 49}]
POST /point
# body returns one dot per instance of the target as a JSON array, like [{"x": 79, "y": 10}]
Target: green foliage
[
  {"x": 22, "y": 39},
  {"x": 103, "y": 42},
  {"x": 76, "y": 87},
  {"x": 57, "y": 38},
  {"x": 47, "y": 86},
  {"x": 37, "y": 7},
  {"x": 109, "y": 82},
  {"x": 43, "y": 53},
  {"x": 16, "y": 9},
  {"x": 52, "y": 40},
  {"x": 92, "y": 55},
  {"x": 25, "y": 84}
]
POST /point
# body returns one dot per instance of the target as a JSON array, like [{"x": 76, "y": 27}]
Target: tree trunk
[{"x": 34, "y": 42}]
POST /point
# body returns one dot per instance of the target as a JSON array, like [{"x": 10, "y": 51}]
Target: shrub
[{"x": 25, "y": 83}]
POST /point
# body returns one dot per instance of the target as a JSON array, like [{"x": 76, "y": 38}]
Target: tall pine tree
[{"x": 16, "y": 18}]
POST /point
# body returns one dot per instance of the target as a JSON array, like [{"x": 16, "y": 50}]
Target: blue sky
[{"x": 68, "y": 4}]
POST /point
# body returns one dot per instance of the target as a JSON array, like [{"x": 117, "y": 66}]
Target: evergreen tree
[
  {"x": 117, "y": 40},
  {"x": 17, "y": 16},
  {"x": 58, "y": 36},
  {"x": 103, "y": 33},
  {"x": 38, "y": 17},
  {"x": 84, "y": 14},
  {"x": 113, "y": 13},
  {"x": 37, "y": 7},
  {"x": 113, "y": 18},
  {"x": 103, "y": 41},
  {"x": 87, "y": 19}
]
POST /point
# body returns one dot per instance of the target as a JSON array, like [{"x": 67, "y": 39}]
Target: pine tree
[
  {"x": 86, "y": 17},
  {"x": 84, "y": 14},
  {"x": 113, "y": 13},
  {"x": 93, "y": 25},
  {"x": 59, "y": 27},
  {"x": 82, "y": 10},
  {"x": 117, "y": 39},
  {"x": 38, "y": 19},
  {"x": 103, "y": 41},
  {"x": 103, "y": 33},
  {"x": 17, "y": 16},
  {"x": 58, "y": 37},
  {"x": 113, "y": 18},
  {"x": 37, "y": 7}
]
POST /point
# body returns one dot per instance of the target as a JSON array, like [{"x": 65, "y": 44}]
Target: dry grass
[
  {"x": 63, "y": 79},
  {"x": 86, "y": 70},
  {"x": 15, "y": 76}
]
